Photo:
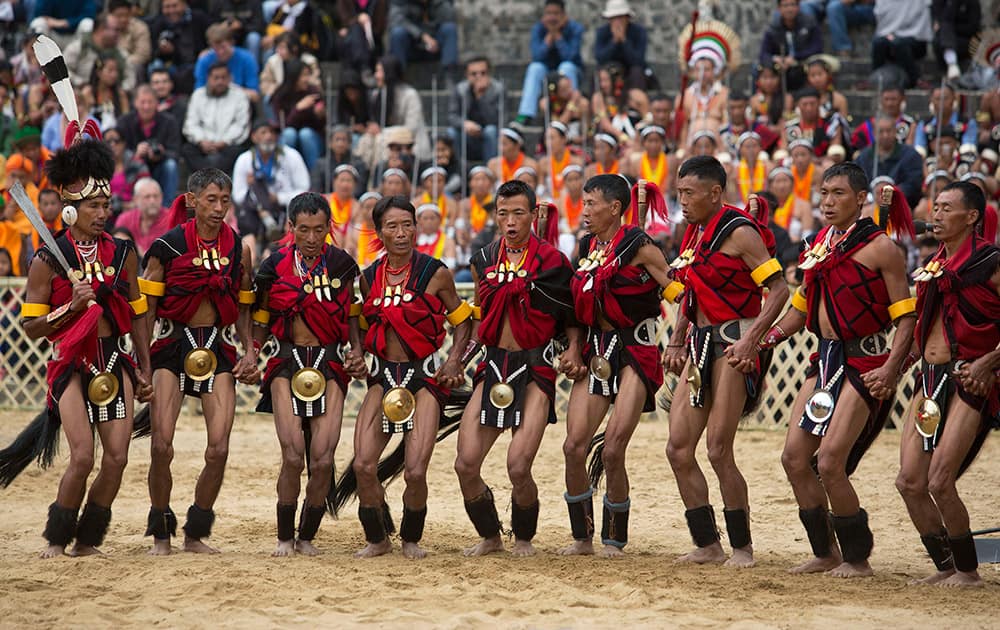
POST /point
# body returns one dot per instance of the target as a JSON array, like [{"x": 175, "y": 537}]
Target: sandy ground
[{"x": 246, "y": 587}]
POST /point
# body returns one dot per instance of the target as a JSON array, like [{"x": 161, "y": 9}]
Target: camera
[{"x": 156, "y": 152}]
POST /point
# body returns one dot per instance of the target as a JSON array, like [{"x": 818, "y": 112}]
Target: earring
[{"x": 69, "y": 215}]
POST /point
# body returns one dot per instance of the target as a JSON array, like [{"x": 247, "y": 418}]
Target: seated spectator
[
  {"x": 128, "y": 170},
  {"x": 300, "y": 107},
  {"x": 445, "y": 157},
  {"x": 402, "y": 107},
  {"x": 651, "y": 163},
  {"x": 820, "y": 73},
  {"x": 352, "y": 109},
  {"x": 265, "y": 178},
  {"x": 933, "y": 184},
  {"x": 178, "y": 36},
  {"x": 512, "y": 157},
  {"x": 154, "y": 136},
  {"x": 474, "y": 105},
  {"x": 841, "y": 15},
  {"x": 50, "y": 205},
  {"x": 148, "y": 220},
  {"x": 242, "y": 65},
  {"x": 103, "y": 98},
  {"x": 623, "y": 41},
  {"x": 133, "y": 37},
  {"x": 740, "y": 123},
  {"x": 245, "y": 21},
  {"x": 472, "y": 209},
  {"x": 568, "y": 107},
  {"x": 808, "y": 125},
  {"x": 424, "y": 30},
  {"x": 806, "y": 174},
  {"x": 28, "y": 142},
  {"x": 557, "y": 157},
  {"x": 361, "y": 237},
  {"x": 299, "y": 18},
  {"x": 942, "y": 103},
  {"x": 338, "y": 153},
  {"x": 896, "y": 160},
  {"x": 767, "y": 105},
  {"x": 35, "y": 101},
  {"x": 892, "y": 102},
  {"x": 791, "y": 212},
  {"x": 704, "y": 101},
  {"x": 661, "y": 114},
  {"x": 432, "y": 181},
  {"x": 432, "y": 238},
  {"x": 287, "y": 47},
  {"x": 217, "y": 123},
  {"x": 343, "y": 206},
  {"x": 19, "y": 169},
  {"x": 18, "y": 247},
  {"x": 394, "y": 181},
  {"x": 398, "y": 154},
  {"x": 605, "y": 156},
  {"x": 83, "y": 53},
  {"x": 555, "y": 47},
  {"x": 361, "y": 26},
  {"x": 789, "y": 41},
  {"x": 61, "y": 19},
  {"x": 748, "y": 173},
  {"x": 168, "y": 101},
  {"x": 956, "y": 22},
  {"x": 616, "y": 109},
  {"x": 902, "y": 31}
]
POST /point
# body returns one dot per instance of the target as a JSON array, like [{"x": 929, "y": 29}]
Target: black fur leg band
[
  {"x": 312, "y": 516},
  {"x": 161, "y": 524},
  {"x": 93, "y": 525},
  {"x": 614, "y": 531},
  {"x": 286, "y": 522},
  {"x": 524, "y": 520},
  {"x": 939, "y": 550},
  {"x": 855, "y": 536},
  {"x": 819, "y": 529},
  {"x": 483, "y": 513},
  {"x": 411, "y": 528},
  {"x": 738, "y": 528},
  {"x": 199, "y": 522},
  {"x": 963, "y": 550},
  {"x": 581, "y": 514},
  {"x": 60, "y": 526},
  {"x": 701, "y": 524},
  {"x": 390, "y": 526},
  {"x": 373, "y": 522}
]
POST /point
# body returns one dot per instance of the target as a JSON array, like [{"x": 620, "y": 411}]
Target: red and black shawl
[{"x": 418, "y": 322}]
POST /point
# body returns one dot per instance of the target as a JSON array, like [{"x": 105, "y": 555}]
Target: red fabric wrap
[
  {"x": 719, "y": 285},
  {"x": 188, "y": 285},
  {"x": 620, "y": 292},
  {"x": 417, "y": 324},
  {"x": 178, "y": 212}
]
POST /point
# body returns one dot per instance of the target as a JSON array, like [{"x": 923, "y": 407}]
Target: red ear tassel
[
  {"x": 655, "y": 204},
  {"x": 989, "y": 225},
  {"x": 900, "y": 219},
  {"x": 178, "y": 211},
  {"x": 72, "y": 131},
  {"x": 92, "y": 129},
  {"x": 551, "y": 224},
  {"x": 763, "y": 214},
  {"x": 375, "y": 245}
]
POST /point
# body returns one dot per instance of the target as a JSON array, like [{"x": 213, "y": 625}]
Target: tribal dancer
[
  {"x": 86, "y": 309},
  {"x": 616, "y": 295},
  {"x": 854, "y": 290},
  {"x": 523, "y": 296},
  {"x": 958, "y": 339},
  {"x": 726, "y": 262},
  {"x": 408, "y": 296},
  {"x": 198, "y": 283},
  {"x": 304, "y": 294}
]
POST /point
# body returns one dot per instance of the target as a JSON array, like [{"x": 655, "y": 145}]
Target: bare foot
[
  {"x": 160, "y": 548},
  {"x": 306, "y": 548},
  {"x": 940, "y": 576},
  {"x": 610, "y": 551},
  {"x": 485, "y": 546},
  {"x": 284, "y": 549},
  {"x": 195, "y": 545},
  {"x": 819, "y": 565},
  {"x": 413, "y": 551},
  {"x": 52, "y": 551},
  {"x": 961, "y": 578},
  {"x": 851, "y": 570},
  {"x": 375, "y": 549},
  {"x": 522, "y": 548},
  {"x": 712, "y": 554},
  {"x": 742, "y": 558},
  {"x": 83, "y": 550},
  {"x": 578, "y": 548}
]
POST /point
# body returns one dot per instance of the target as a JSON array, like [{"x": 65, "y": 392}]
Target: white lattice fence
[{"x": 22, "y": 361}]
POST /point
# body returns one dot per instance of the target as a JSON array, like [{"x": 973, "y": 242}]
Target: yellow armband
[
  {"x": 247, "y": 297},
  {"x": 150, "y": 287},
  {"x": 799, "y": 302},
  {"x": 262, "y": 317},
  {"x": 902, "y": 308},
  {"x": 33, "y": 309},
  {"x": 477, "y": 313},
  {"x": 355, "y": 310},
  {"x": 765, "y": 271},
  {"x": 672, "y": 291},
  {"x": 139, "y": 305},
  {"x": 362, "y": 322},
  {"x": 461, "y": 313}
]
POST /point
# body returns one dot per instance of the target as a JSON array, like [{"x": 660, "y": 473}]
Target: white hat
[
  {"x": 615, "y": 8},
  {"x": 427, "y": 207},
  {"x": 431, "y": 171}
]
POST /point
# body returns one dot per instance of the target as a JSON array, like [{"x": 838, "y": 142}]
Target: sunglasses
[{"x": 400, "y": 147}]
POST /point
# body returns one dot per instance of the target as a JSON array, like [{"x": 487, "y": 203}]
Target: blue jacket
[
  {"x": 631, "y": 52},
  {"x": 566, "y": 49},
  {"x": 71, "y": 11},
  {"x": 242, "y": 66},
  {"x": 904, "y": 165}
]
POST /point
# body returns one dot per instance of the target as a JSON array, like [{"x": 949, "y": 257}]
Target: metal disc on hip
[
  {"x": 927, "y": 418},
  {"x": 102, "y": 389},
  {"x": 600, "y": 367},
  {"x": 398, "y": 405},
  {"x": 502, "y": 395},
  {"x": 200, "y": 364},
  {"x": 308, "y": 384},
  {"x": 694, "y": 377},
  {"x": 819, "y": 407}
]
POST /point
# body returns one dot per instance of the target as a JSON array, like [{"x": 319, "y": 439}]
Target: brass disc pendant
[
  {"x": 398, "y": 405},
  {"x": 109, "y": 271},
  {"x": 694, "y": 378},
  {"x": 102, "y": 389},
  {"x": 927, "y": 418},
  {"x": 502, "y": 395},
  {"x": 600, "y": 367},
  {"x": 224, "y": 261},
  {"x": 78, "y": 274},
  {"x": 308, "y": 288},
  {"x": 819, "y": 407},
  {"x": 196, "y": 261},
  {"x": 308, "y": 384},
  {"x": 200, "y": 364},
  {"x": 335, "y": 283}
]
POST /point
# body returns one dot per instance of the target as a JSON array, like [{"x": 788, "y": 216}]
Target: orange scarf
[
  {"x": 340, "y": 218},
  {"x": 747, "y": 184},
  {"x": 440, "y": 203},
  {"x": 612, "y": 170},
  {"x": 435, "y": 249},
  {"x": 783, "y": 213},
  {"x": 556, "y": 168},
  {"x": 803, "y": 185},
  {"x": 571, "y": 210},
  {"x": 477, "y": 213},
  {"x": 365, "y": 254},
  {"x": 653, "y": 175},
  {"x": 508, "y": 169}
]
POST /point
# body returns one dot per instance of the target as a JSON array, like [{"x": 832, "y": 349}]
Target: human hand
[
  {"x": 881, "y": 382},
  {"x": 976, "y": 377},
  {"x": 674, "y": 358},
  {"x": 571, "y": 364},
  {"x": 742, "y": 355},
  {"x": 83, "y": 295},
  {"x": 450, "y": 374}
]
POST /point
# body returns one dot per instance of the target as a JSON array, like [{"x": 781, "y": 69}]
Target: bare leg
[
  {"x": 80, "y": 439},
  {"x": 289, "y": 430},
  {"x": 164, "y": 409},
  {"x": 621, "y": 425},
  {"x": 419, "y": 448},
  {"x": 369, "y": 442},
  {"x": 474, "y": 442},
  {"x": 583, "y": 417},
  {"x": 323, "y": 446},
  {"x": 521, "y": 455}
]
